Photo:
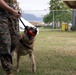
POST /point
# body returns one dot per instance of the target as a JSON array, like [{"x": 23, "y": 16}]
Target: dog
[{"x": 25, "y": 46}]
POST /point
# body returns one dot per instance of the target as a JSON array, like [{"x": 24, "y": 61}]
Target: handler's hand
[{"x": 16, "y": 14}]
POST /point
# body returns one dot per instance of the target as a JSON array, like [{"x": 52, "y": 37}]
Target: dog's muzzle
[{"x": 30, "y": 32}]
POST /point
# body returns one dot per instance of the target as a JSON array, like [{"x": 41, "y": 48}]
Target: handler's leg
[
  {"x": 5, "y": 46},
  {"x": 6, "y": 61}
]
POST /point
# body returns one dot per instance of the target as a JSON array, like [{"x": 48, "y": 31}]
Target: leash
[{"x": 22, "y": 22}]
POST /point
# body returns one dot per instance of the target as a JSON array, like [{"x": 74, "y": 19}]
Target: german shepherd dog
[{"x": 25, "y": 46}]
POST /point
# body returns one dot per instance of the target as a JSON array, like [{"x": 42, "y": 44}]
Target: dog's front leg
[
  {"x": 18, "y": 58},
  {"x": 31, "y": 55}
]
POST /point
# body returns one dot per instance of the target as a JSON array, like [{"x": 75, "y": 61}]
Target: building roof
[
  {"x": 70, "y": 3},
  {"x": 37, "y": 23}
]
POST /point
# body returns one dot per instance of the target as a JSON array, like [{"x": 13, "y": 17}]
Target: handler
[{"x": 9, "y": 33}]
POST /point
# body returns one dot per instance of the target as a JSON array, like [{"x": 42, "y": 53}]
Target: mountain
[{"x": 31, "y": 17}]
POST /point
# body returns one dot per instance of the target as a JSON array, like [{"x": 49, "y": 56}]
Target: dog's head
[{"x": 30, "y": 31}]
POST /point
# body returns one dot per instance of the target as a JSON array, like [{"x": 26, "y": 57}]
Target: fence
[{"x": 57, "y": 17}]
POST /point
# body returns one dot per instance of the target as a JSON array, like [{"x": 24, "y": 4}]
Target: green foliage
[
  {"x": 47, "y": 18},
  {"x": 55, "y": 8},
  {"x": 57, "y": 5}
]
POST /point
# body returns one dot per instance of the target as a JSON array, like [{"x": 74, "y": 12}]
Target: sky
[{"x": 34, "y": 6}]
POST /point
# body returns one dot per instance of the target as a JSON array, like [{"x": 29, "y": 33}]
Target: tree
[{"x": 57, "y": 6}]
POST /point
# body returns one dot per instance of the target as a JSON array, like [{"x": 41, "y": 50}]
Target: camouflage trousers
[{"x": 9, "y": 33}]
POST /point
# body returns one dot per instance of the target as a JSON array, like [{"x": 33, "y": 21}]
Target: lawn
[{"x": 55, "y": 54}]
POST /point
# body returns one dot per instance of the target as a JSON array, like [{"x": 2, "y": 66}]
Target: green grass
[{"x": 55, "y": 54}]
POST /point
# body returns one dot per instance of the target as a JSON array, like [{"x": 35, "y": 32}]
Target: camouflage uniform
[{"x": 9, "y": 33}]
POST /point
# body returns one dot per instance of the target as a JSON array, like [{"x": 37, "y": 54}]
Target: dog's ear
[
  {"x": 35, "y": 30},
  {"x": 26, "y": 27}
]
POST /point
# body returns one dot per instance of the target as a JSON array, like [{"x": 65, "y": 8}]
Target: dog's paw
[
  {"x": 34, "y": 70},
  {"x": 10, "y": 74},
  {"x": 18, "y": 70}
]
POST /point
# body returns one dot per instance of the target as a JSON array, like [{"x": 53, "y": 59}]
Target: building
[{"x": 72, "y": 5}]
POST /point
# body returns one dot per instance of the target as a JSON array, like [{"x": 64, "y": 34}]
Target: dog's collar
[{"x": 23, "y": 43}]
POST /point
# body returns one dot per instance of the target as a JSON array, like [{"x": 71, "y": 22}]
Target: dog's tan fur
[{"x": 21, "y": 51}]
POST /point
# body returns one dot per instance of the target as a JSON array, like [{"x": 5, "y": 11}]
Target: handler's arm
[{"x": 9, "y": 9}]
